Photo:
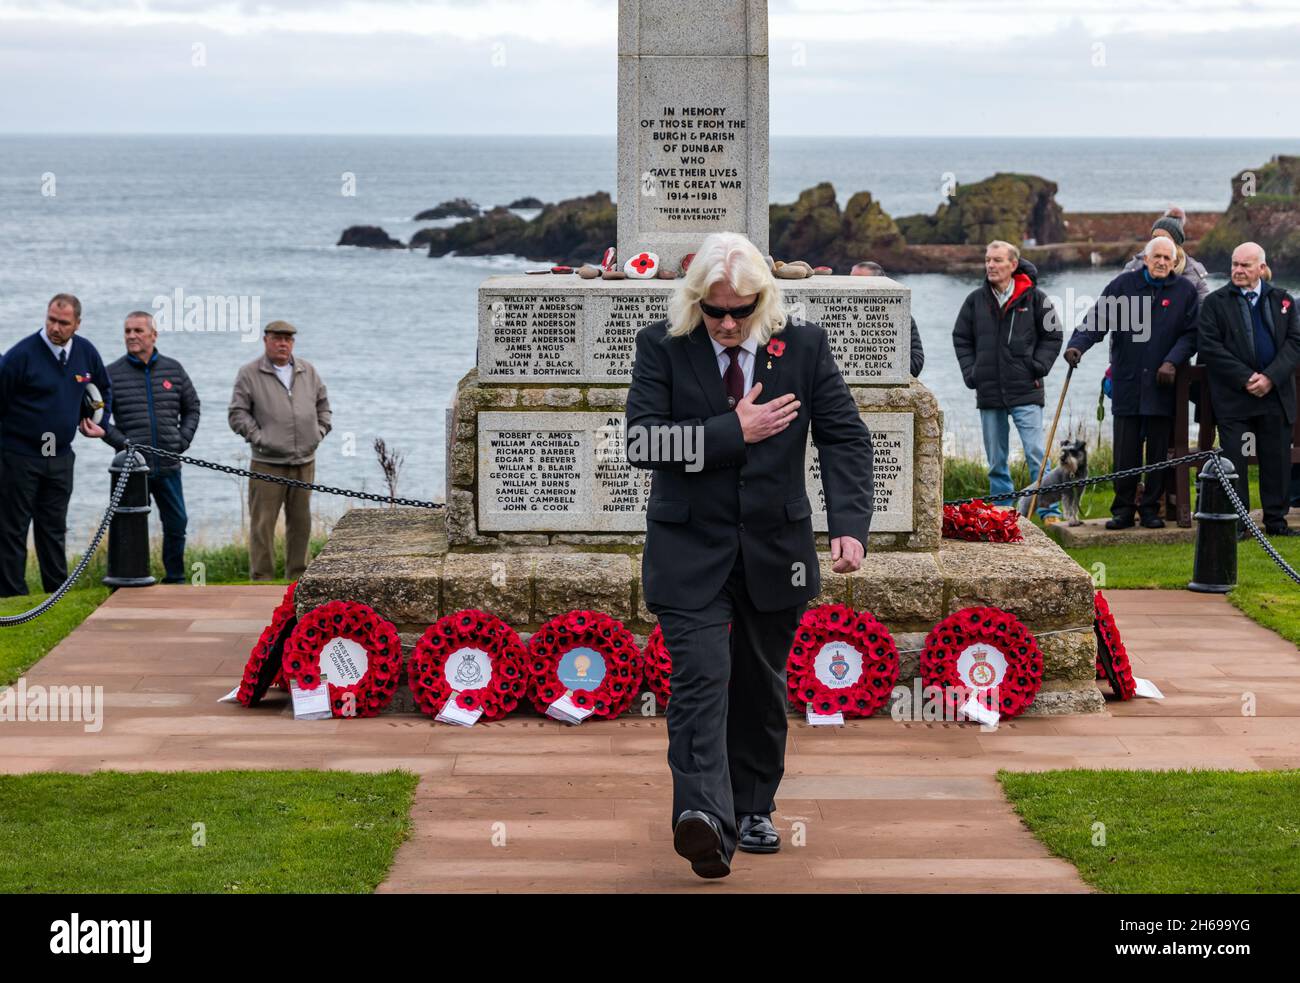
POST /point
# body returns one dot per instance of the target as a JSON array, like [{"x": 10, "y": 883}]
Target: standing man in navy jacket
[
  {"x": 42, "y": 382},
  {"x": 1151, "y": 315}
]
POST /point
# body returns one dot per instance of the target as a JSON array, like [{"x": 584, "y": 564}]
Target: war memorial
[{"x": 543, "y": 513}]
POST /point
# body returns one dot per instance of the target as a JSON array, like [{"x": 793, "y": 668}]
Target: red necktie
[{"x": 734, "y": 378}]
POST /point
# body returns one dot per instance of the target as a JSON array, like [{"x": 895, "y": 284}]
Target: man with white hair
[
  {"x": 1249, "y": 339},
  {"x": 1150, "y": 315},
  {"x": 730, "y": 560},
  {"x": 1172, "y": 225}
]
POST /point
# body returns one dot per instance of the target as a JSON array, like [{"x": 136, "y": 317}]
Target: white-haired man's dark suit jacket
[{"x": 732, "y": 544}]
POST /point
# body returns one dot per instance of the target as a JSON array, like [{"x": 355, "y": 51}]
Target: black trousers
[
  {"x": 1273, "y": 448},
  {"x": 1131, "y": 433},
  {"x": 34, "y": 489},
  {"x": 727, "y": 712}
]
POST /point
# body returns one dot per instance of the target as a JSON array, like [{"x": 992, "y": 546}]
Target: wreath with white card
[
  {"x": 841, "y": 661},
  {"x": 355, "y": 651},
  {"x": 986, "y": 655},
  {"x": 468, "y": 666},
  {"x": 583, "y": 664}
]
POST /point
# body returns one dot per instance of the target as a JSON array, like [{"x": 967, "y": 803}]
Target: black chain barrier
[
  {"x": 291, "y": 482},
  {"x": 1091, "y": 480},
  {"x": 120, "y": 488},
  {"x": 19, "y": 619}
]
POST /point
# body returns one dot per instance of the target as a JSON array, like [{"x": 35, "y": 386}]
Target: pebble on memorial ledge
[
  {"x": 667, "y": 275},
  {"x": 790, "y": 271},
  {"x": 589, "y": 272},
  {"x": 536, "y": 272},
  {"x": 642, "y": 266},
  {"x": 686, "y": 262},
  {"x": 609, "y": 261},
  {"x": 613, "y": 275},
  {"x": 561, "y": 269},
  {"x": 822, "y": 271}
]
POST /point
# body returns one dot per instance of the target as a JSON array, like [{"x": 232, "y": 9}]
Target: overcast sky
[{"x": 846, "y": 67}]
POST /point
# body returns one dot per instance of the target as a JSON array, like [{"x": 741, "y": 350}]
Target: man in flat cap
[{"x": 281, "y": 408}]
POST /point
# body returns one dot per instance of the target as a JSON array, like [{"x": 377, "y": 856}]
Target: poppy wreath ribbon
[
  {"x": 588, "y": 655},
  {"x": 474, "y": 657},
  {"x": 841, "y": 661},
  {"x": 978, "y": 521},
  {"x": 363, "y": 649},
  {"x": 264, "y": 668},
  {"x": 985, "y": 653},
  {"x": 1112, "y": 658}
]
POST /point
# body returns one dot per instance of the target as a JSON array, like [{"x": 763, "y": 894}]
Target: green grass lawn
[
  {"x": 262, "y": 831},
  {"x": 1173, "y": 832},
  {"x": 22, "y": 646}
]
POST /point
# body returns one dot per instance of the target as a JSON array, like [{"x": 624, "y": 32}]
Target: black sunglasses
[{"x": 739, "y": 313}]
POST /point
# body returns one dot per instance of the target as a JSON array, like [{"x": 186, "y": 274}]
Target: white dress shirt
[
  {"x": 66, "y": 347},
  {"x": 748, "y": 352}
]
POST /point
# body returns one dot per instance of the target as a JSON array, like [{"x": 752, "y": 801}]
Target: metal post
[
  {"x": 1214, "y": 569},
  {"x": 128, "y": 534}
]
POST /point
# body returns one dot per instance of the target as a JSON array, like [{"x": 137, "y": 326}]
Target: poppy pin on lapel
[{"x": 775, "y": 348}]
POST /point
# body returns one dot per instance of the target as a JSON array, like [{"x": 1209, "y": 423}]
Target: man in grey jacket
[{"x": 281, "y": 408}]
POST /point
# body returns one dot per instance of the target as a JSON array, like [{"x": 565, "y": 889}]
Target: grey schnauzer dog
[{"x": 1074, "y": 465}]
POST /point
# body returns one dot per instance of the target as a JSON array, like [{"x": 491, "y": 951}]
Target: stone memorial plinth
[
  {"x": 540, "y": 464},
  {"x": 692, "y": 125}
]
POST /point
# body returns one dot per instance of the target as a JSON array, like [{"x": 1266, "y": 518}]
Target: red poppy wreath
[
  {"x": 264, "y": 668},
  {"x": 984, "y": 653},
  {"x": 356, "y": 651},
  {"x": 978, "y": 521},
  {"x": 473, "y": 658},
  {"x": 588, "y": 657},
  {"x": 841, "y": 661},
  {"x": 1112, "y": 658},
  {"x": 658, "y": 667}
]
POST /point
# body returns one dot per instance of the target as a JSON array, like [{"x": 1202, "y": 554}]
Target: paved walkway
[{"x": 884, "y": 806}]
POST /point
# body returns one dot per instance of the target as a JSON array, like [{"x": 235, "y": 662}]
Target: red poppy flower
[
  {"x": 776, "y": 347},
  {"x": 642, "y": 262}
]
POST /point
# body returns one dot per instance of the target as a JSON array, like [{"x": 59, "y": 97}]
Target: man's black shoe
[
  {"x": 1152, "y": 522},
  {"x": 1118, "y": 523},
  {"x": 758, "y": 835},
  {"x": 1281, "y": 531},
  {"x": 698, "y": 838}
]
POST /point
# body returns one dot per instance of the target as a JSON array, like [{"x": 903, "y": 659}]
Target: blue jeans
[
  {"x": 1029, "y": 424},
  {"x": 168, "y": 495}
]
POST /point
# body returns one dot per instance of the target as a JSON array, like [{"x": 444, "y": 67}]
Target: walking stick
[{"x": 1051, "y": 439}]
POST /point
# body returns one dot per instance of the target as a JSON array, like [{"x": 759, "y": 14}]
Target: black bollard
[
  {"x": 128, "y": 533},
  {"x": 1214, "y": 569}
]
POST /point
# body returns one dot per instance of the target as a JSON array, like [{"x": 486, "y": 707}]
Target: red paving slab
[{"x": 528, "y": 804}]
